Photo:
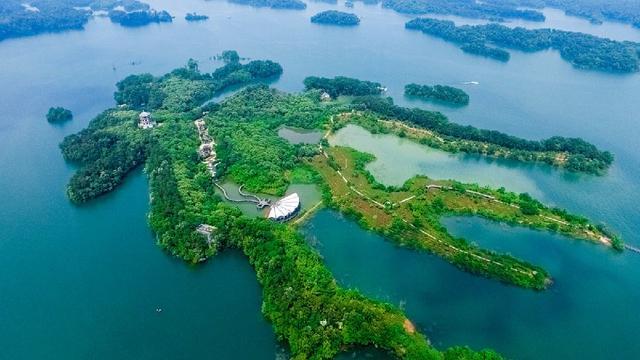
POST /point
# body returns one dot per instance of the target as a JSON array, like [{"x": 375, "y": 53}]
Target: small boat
[{"x": 471, "y": 83}]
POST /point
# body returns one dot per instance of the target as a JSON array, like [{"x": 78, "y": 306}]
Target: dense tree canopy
[
  {"x": 341, "y": 85},
  {"x": 596, "y": 11},
  {"x": 465, "y": 8},
  {"x": 334, "y": 17},
  {"x": 308, "y": 309},
  {"x": 582, "y": 156},
  {"x": 23, "y": 18},
  {"x": 58, "y": 115},
  {"x": 195, "y": 17},
  {"x": 582, "y": 50},
  {"x": 274, "y": 4},
  {"x": 442, "y": 93}
]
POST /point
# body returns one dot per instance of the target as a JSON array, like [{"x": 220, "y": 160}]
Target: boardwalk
[{"x": 208, "y": 153}]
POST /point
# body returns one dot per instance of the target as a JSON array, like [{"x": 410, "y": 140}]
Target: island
[
  {"x": 334, "y": 17},
  {"x": 59, "y": 115},
  {"x": 189, "y": 145},
  {"x": 342, "y": 85},
  {"x": 495, "y": 10},
  {"x": 24, "y": 18},
  {"x": 583, "y": 51},
  {"x": 195, "y": 17},
  {"x": 443, "y": 93},
  {"x": 273, "y": 4},
  {"x": 139, "y": 18},
  {"x": 593, "y": 10}
]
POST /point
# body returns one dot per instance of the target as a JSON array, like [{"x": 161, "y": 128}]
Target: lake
[{"x": 89, "y": 282}]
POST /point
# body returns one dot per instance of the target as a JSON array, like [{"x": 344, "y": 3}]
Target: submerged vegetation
[
  {"x": 581, "y": 50},
  {"x": 59, "y": 115},
  {"x": 442, "y": 93},
  {"x": 334, "y": 17},
  {"x": 308, "y": 309}
]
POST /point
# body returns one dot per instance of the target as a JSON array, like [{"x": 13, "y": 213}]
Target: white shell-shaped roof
[{"x": 284, "y": 207}]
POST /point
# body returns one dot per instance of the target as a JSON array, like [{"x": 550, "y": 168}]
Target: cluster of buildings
[{"x": 207, "y": 149}]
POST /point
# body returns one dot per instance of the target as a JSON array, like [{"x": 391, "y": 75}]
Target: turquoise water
[{"x": 85, "y": 282}]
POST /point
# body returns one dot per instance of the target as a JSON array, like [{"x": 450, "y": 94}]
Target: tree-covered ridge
[
  {"x": 139, "y": 18},
  {"x": 581, "y": 50},
  {"x": 342, "y": 86},
  {"x": 573, "y": 154},
  {"x": 334, "y": 17},
  {"x": 596, "y": 11},
  {"x": 273, "y": 4},
  {"x": 442, "y": 93},
  {"x": 23, "y": 18},
  {"x": 465, "y": 8}
]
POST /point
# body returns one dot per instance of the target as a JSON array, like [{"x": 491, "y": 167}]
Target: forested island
[
  {"x": 333, "y": 17},
  {"x": 489, "y": 10},
  {"x": 59, "y": 115},
  {"x": 444, "y": 93},
  {"x": 582, "y": 50},
  {"x": 195, "y": 17},
  {"x": 139, "y": 18},
  {"x": 273, "y": 4},
  {"x": 594, "y": 10},
  {"x": 308, "y": 309},
  {"x": 342, "y": 85},
  {"x": 20, "y": 18}
]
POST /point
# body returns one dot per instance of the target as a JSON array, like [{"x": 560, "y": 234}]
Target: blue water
[{"x": 85, "y": 282}]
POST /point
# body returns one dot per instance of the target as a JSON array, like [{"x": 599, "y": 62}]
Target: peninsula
[{"x": 187, "y": 145}]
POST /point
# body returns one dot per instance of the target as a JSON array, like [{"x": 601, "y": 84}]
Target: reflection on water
[{"x": 300, "y": 136}]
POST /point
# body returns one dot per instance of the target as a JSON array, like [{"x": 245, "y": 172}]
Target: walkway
[{"x": 207, "y": 151}]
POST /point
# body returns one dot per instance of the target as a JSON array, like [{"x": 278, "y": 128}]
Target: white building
[
  {"x": 285, "y": 208},
  {"x": 145, "y": 121},
  {"x": 325, "y": 96}
]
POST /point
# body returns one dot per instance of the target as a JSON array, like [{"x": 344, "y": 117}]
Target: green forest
[
  {"x": 59, "y": 115},
  {"x": 42, "y": 16},
  {"x": 342, "y": 86},
  {"x": 333, "y": 17},
  {"x": 583, "y": 51},
  {"x": 273, "y": 4},
  {"x": 444, "y": 93},
  {"x": 308, "y": 309}
]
